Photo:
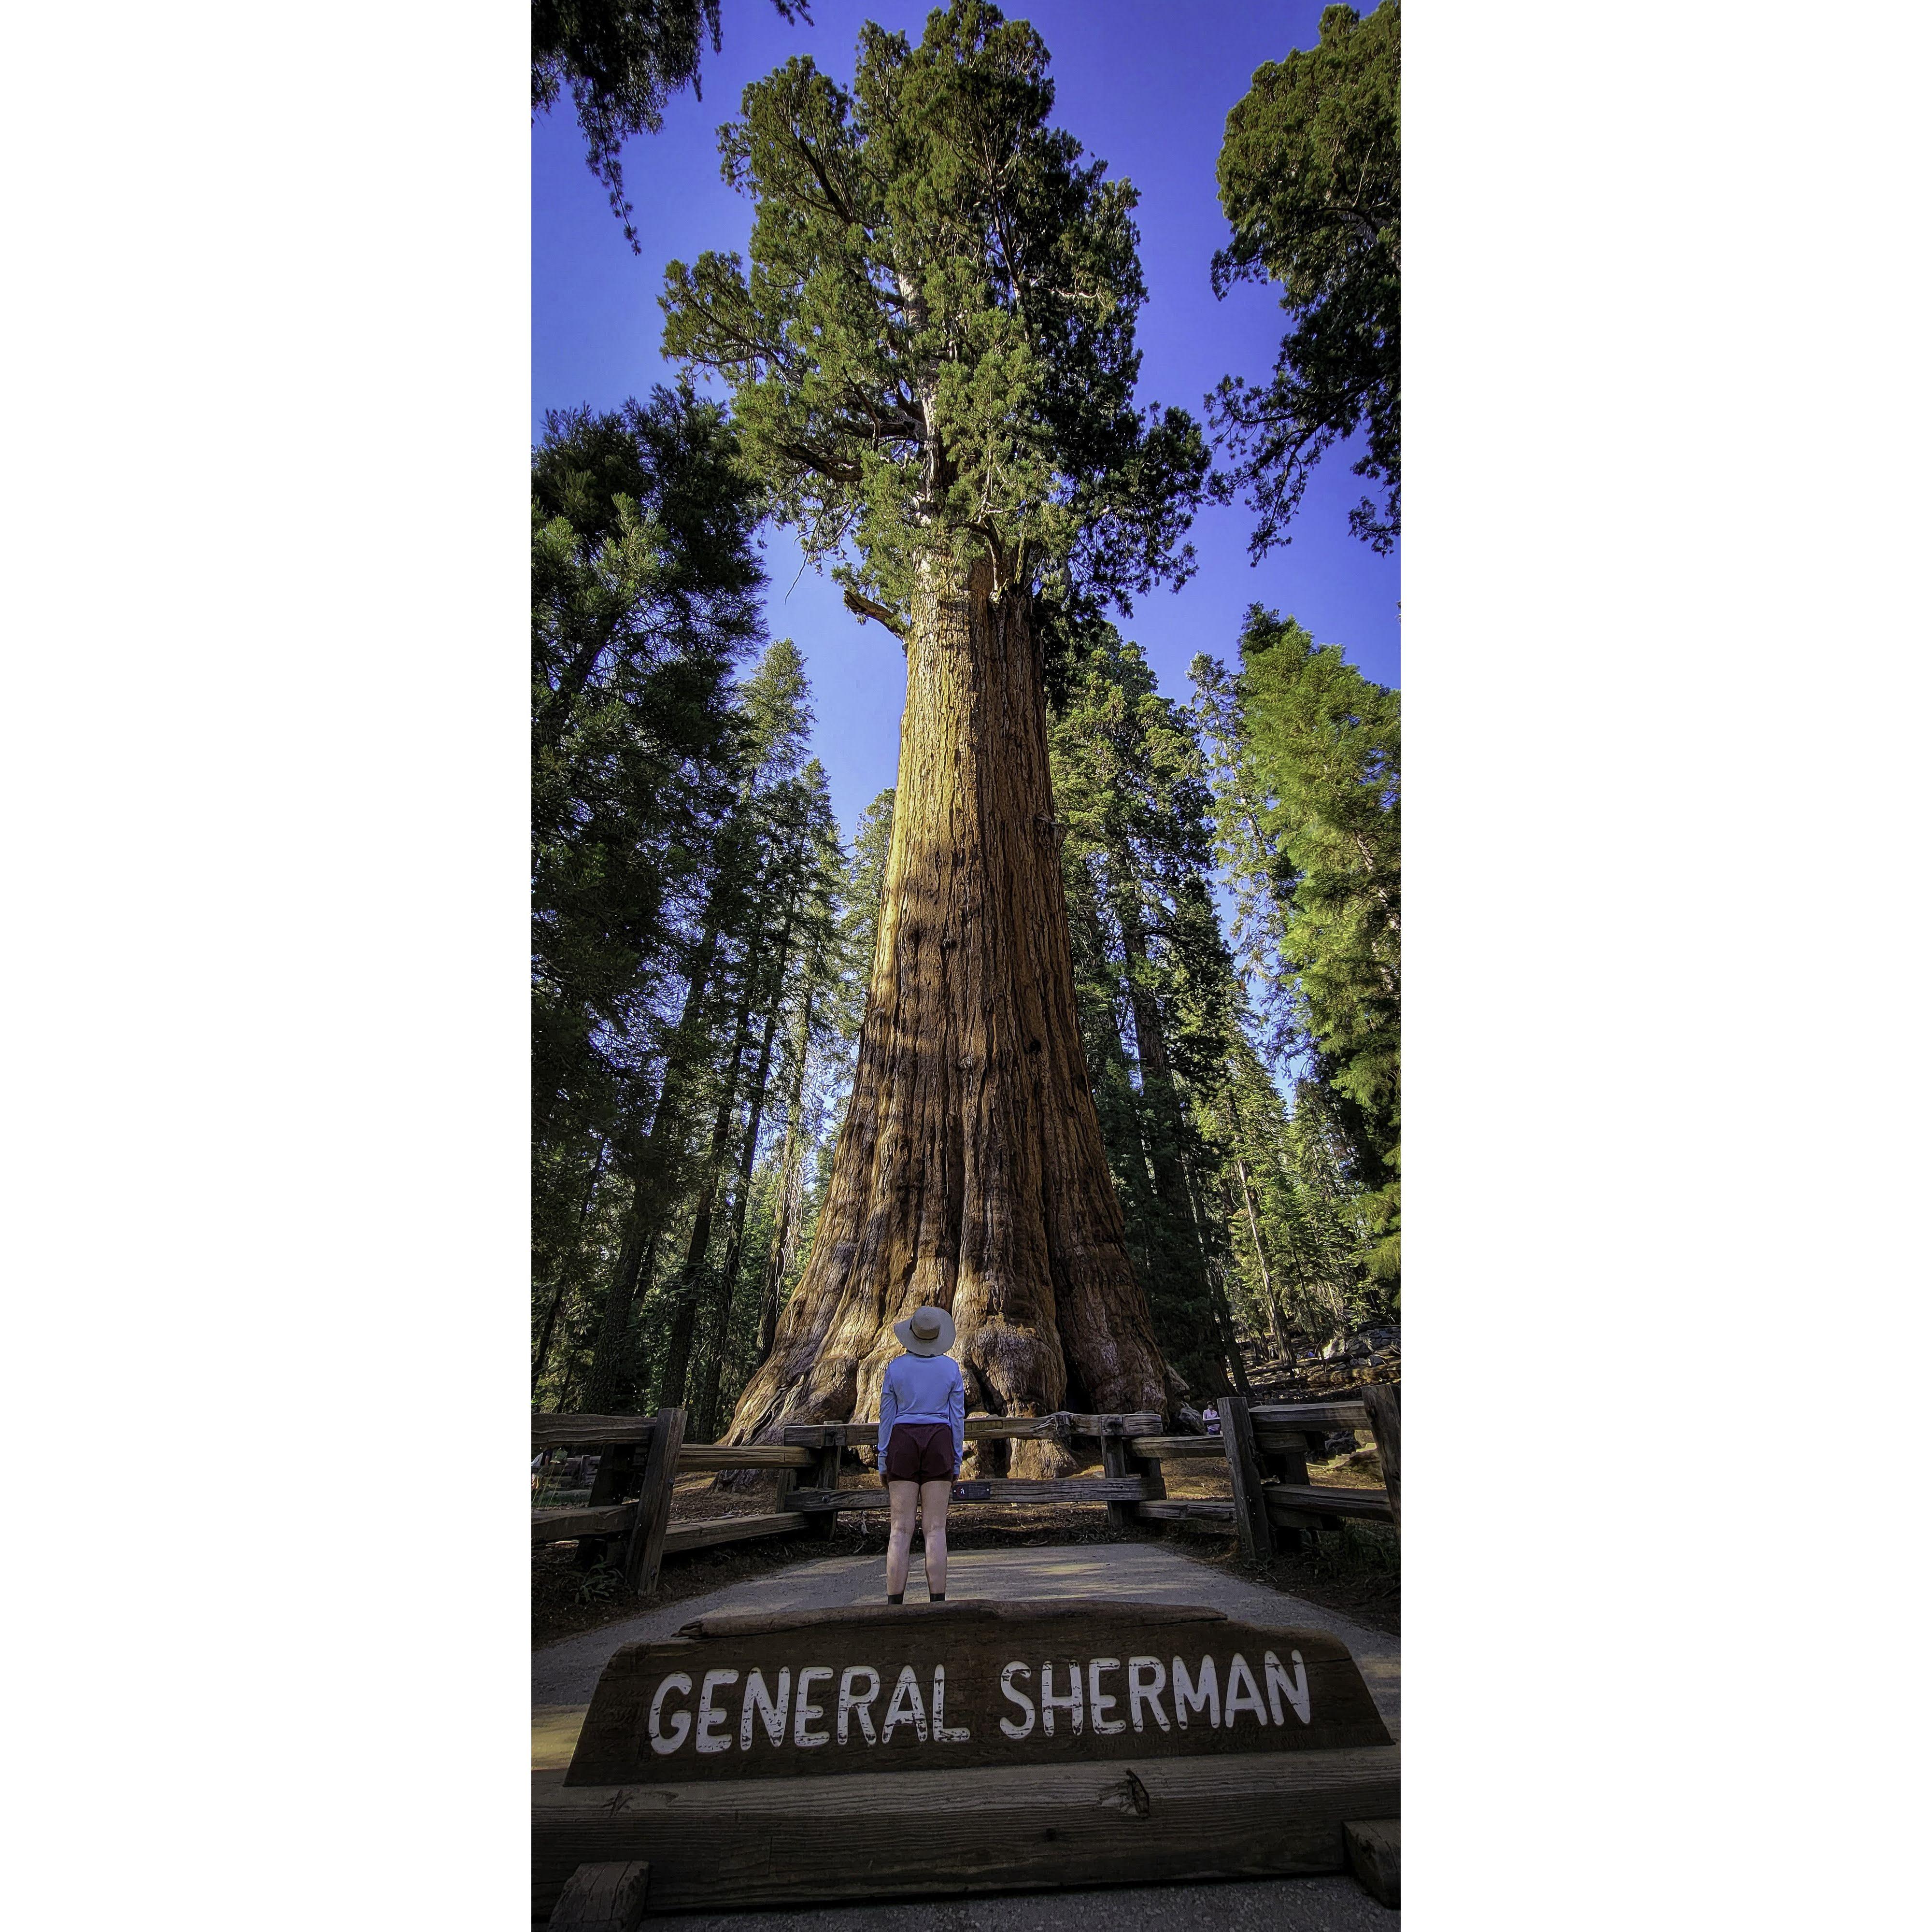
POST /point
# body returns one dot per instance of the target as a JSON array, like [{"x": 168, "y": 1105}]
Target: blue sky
[{"x": 1146, "y": 85}]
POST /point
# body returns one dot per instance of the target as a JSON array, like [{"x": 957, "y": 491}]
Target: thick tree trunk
[
  {"x": 779, "y": 1256},
  {"x": 970, "y": 1171},
  {"x": 727, "y": 1292},
  {"x": 690, "y": 1278},
  {"x": 1275, "y": 1329}
]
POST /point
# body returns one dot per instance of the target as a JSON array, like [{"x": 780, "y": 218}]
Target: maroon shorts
[{"x": 918, "y": 1452}]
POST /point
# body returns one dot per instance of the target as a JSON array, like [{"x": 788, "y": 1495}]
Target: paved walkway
[{"x": 563, "y": 1675}]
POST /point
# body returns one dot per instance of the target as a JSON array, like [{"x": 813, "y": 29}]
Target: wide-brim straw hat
[{"x": 925, "y": 1331}]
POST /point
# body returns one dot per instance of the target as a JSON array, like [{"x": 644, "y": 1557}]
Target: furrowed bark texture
[{"x": 970, "y": 1171}]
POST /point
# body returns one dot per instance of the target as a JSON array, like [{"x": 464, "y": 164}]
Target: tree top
[{"x": 932, "y": 353}]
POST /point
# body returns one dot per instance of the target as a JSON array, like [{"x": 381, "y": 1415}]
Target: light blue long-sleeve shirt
[{"x": 923, "y": 1388}]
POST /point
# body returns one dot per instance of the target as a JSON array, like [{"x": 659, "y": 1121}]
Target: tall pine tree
[{"x": 1307, "y": 776}]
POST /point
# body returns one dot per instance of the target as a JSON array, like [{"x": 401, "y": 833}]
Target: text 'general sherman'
[{"x": 850, "y": 1707}]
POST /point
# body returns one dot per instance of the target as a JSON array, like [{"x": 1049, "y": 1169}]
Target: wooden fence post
[
  {"x": 1383, "y": 1400},
  {"x": 823, "y": 1524},
  {"x": 653, "y": 1517},
  {"x": 1244, "y": 1477},
  {"x": 1114, "y": 1460}
]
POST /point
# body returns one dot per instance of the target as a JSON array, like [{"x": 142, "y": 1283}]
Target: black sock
[
  {"x": 936, "y": 1596},
  {"x": 894, "y": 1596}
]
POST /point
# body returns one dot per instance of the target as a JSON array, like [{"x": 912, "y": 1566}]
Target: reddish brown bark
[{"x": 970, "y": 1171}]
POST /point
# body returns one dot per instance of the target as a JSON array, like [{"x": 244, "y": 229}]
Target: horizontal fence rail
[
  {"x": 587, "y": 1432},
  {"x": 714, "y": 1530},
  {"x": 568, "y": 1526},
  {"x": 1323, "y": 1415},
  {"x": 695, "y": 1456},
  {"x": 1000, "y": 1489},
  {"x": 1178, "y": 1448},
  {"x": 1057, "y": 1428}
]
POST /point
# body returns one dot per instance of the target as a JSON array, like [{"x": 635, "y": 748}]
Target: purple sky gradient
[{"x": 1145, "y": 85}]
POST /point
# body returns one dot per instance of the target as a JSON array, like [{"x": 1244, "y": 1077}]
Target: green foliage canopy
[
  {"x": 1308, "y": 785},
  {"x": 1310, "y": 177},
  {"x": 932, "y": 351},
  {"x": 644, "y": 594},
  {"x": 622, "y": 60}
]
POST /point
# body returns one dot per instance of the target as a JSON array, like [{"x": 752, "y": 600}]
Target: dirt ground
[{"x": 1355, "y": 1572}]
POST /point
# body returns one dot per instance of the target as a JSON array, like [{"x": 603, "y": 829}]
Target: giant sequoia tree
[{"x": 931, "y": 360}]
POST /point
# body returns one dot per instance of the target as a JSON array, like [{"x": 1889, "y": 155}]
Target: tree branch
[
  {"x": 826, "y": 465},
  {"x": 862, "y": 606}
]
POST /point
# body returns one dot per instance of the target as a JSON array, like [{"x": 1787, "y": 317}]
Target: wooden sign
[{"x": 943, "y": 1686}]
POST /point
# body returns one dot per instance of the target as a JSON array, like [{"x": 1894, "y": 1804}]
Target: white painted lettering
[
  {"x": 803, "y": 1709},
  {"x": 1279, "y": 1682},
  {"x": 1098, "y": 1703},
  {"x": 709, "y": 1717},
  {"x": 1189, "y": 1695},
  {"x": 1243, "y": 1694},
  {"x": 1015, "y": 1732},
  {"x": 960, "y": 1734},
  {"x": 758, "y": 1703},
  {"x": 1049, "y": 1703},
  {"x": 664, "y": 1746},
  {"x": 1146, "y": 1678},
  {"x": 849, "y": 1701},
  {"x": 906, "y": 1694}
]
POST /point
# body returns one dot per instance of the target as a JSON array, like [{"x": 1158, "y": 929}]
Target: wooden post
[
  {"x": 653, "y": 1518},
  {"x": 602, "y": 1898},
  {"x": 1374, "y": 1846},
  {"x": 825, "y": 1476},
  {"x": 1244, "y": 1477},
  {"x": 1383, "y": 1400},
  {"x": 1114, "y": 1460},
  {"x": 617, "y": 1467}
]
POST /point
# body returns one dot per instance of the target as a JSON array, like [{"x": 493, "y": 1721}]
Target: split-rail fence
[{"x": 1271, "y": 1504}]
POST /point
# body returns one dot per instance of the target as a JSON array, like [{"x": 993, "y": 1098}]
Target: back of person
[{"x": 921, "y": 1439}]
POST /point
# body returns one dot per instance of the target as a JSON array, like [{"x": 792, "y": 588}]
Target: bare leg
[
  {"x": 933, "y": 1498},
  {"x": 899, "y": 1549}
]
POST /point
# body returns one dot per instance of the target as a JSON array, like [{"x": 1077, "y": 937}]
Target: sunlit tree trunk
[
  {"x": 970, "y": 1171},
  {"x": 725, "y": 1291},
  {"x": 784, "y": 1248},
  {"x": 688, "y": 1291}
]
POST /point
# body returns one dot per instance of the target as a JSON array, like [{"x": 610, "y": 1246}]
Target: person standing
[{"x": 922, "y": 1440}]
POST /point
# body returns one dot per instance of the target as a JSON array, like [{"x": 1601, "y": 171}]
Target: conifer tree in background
[
  {"x": 644, "y": 594},
  {"x": 829, "y": 1077},
  {"x": 1133, "y": 811},
  {"x": 932, "y": 363},
  {"x": 1311, "y": 183},
  {"x": 622, "y": 61},
  {"x": 1297, "y": 1227},
  {"x": 682, "y": 1173},
  {"x": 806, "y": 862},
  {"x": 824, "y": 1018},
  {"x": 1306, "y": 758}
]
